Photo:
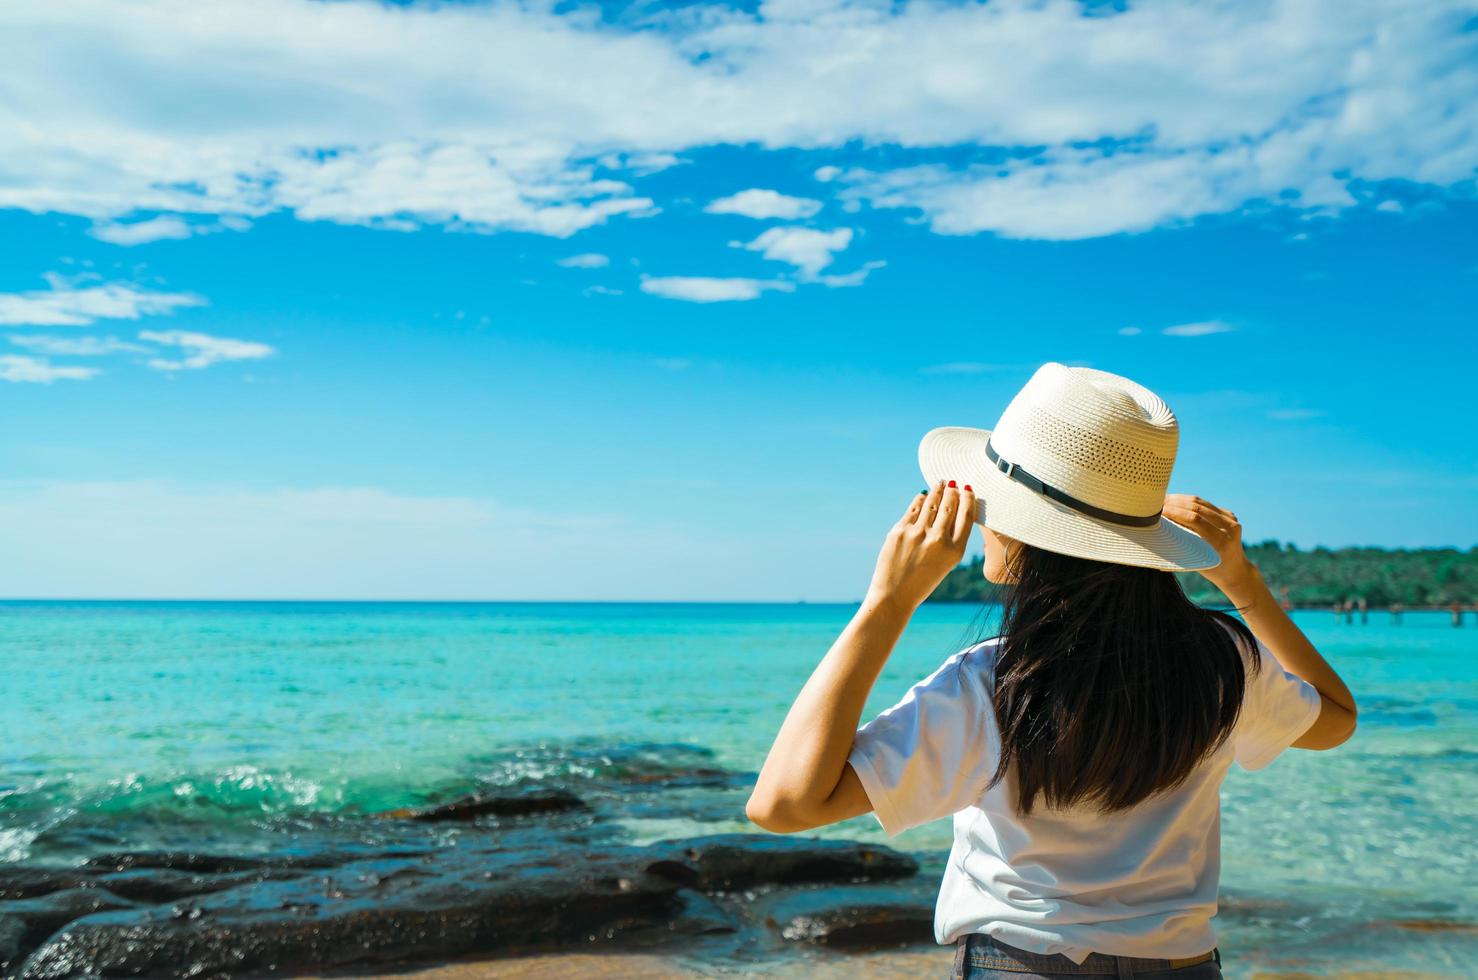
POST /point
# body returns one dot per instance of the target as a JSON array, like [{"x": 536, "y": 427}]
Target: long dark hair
[{"x": 1110, "y": 685}]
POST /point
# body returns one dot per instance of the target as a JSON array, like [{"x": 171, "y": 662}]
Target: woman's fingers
[
  {"x": 1199, "y": 506},
  {"x": 1186, "y": 517},
  {"x": 914, "y": 507},
  {"x": 949, "y": 505},
  {"x": 1193, "y": 507},
  {"x": 925, "y": 516},
  {"x": 1201, "y": 516},
  {"x": 947, "y": 510},
  {"x": 1219, "y": 527},
  {"x": 964, "y": 515},
  {"x": 1183, "y": 511},
  {"x": 925, "y": 545}
]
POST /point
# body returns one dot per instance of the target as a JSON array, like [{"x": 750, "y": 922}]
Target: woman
[{"x": 1081, "y": 750}]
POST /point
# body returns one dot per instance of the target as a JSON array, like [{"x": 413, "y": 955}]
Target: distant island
[{"x": 1321, "y": 577}]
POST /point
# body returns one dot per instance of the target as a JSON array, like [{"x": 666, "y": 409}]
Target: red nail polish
[
  {"x": 970, "y": 488},
  {"x": 951, "y": 483}
]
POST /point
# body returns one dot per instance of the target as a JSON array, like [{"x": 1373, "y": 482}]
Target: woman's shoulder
[
  {"x": 979, "y": 659},
  {"x": 969, "y": 671},
  {"x": 1248, "y": 646},
  {"x": 981, "y": 650}
]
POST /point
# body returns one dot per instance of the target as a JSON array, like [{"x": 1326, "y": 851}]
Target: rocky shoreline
[
  {"x": 546, "y": 868},
  {"x": 529, "y": 870}
]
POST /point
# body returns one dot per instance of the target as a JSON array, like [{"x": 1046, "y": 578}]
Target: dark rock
[
  {"x": 172, "y": 861},
  {"x": 25, "y": 924},
  {"x": 702, "y": 916},
  {"x": 31, "y": 882},
  {"x": 13, "y": 943},
  {"x": 864, "y": 926},
  {"x": 697, "y": 776},
  {"x": 513, "y": 805},
  {"x": 856, "y": 918},
  {"x": 696, "y": 917},
  {"x": 156, "y": 885},
  {"x": 496, "y": 893},
  {"x": 366, "y": 912},
  {"x": 684, "y": 874},
  {"x": 206, "y": 863},
  {"x": 727, "y": 861}
]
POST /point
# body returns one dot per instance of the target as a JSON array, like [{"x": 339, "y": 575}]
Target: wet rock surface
[
  {"x": 857, "y": 918},
  {"x": 26, "y": 923},
  {"x": 726, "y": 862},
  {"x": 489, "y": 874},
  {"x": 513, "y": 805}
]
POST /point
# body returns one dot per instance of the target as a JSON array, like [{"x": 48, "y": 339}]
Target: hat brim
[{"x": 958, "y": 453}]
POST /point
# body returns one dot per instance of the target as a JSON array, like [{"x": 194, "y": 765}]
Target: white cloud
[
  {"x": 401, "y": 116},
  {"x": 808, "y": 249},
  {"x": 68, "y": 303},
  {"x": 160, "y": 228},
  {"x": 587, "y": 260},
  {"x": 640, "y": 164},
  {"x": 855, "y": 278},
  {"x": 760, "y": 203},
  {"x": 19, "y": 367},
  {"x": 402, "y": 186},
  {"x": 700, "y": 289},
  {"x": 827, "y": 174},
  {"x": 1130, "y": 331},
  {"x": 1200, "y": 329},
  {"x": 1083, "y": 193},
  {"x": 198, "y": 351},
  {"x": 138, "y": 232},
  {"x": 202, "y": 350},
  {"x": 72, "y": 346}
]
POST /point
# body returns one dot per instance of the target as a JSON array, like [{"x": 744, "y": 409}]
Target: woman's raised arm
[
  {"x": 804, "y": 782},
  {"x": 1242, "y": 583}
]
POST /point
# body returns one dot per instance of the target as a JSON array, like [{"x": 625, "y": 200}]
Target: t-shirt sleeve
[
  {"x": 1277, "y": 708},
  {"x": 930, "y": 754}
]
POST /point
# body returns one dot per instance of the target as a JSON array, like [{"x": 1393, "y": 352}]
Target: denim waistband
[{"x": 988, "y": 952}]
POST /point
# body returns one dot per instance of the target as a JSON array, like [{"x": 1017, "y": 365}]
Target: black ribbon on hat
[{"x": 1026, "y": 479}]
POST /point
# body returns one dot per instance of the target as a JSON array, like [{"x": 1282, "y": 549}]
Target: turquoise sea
[{"x": 244, "y": 725}]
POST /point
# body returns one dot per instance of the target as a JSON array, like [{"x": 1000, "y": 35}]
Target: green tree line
[{"x": 1318, "y": 577}]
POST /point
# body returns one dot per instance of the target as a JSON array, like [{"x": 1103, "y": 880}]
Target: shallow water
[{"x": 243, "y": 726}]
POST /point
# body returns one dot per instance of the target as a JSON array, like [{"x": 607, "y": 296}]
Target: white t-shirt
[{"x": 1137, "y": 882}]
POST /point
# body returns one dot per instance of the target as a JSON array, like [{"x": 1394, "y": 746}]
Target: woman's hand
[
  {"x": 1242, "y": 583},
  {"x": 927, "y": 542},
  {"x": 806, "y": 781},
  {"x": 1220, "y": 529}
]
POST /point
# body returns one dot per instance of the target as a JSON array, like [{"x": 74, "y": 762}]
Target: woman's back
[{"x": 1140, "y": 881}]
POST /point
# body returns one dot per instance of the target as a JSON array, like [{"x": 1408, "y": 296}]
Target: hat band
[{"x": 1021, "y": 476}]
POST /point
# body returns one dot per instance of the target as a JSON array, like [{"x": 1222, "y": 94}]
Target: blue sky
[{"x": 483, "y": 301}]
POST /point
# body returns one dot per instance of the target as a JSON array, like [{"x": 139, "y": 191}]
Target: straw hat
[{"x": 1078, "y": 464}]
